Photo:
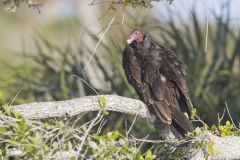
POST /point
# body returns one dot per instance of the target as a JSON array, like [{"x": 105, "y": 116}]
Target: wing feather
[
  {"x": 158, "y": 78},
  {"x": 133, "y": 73},
  {"x": 165, "y": 77}
]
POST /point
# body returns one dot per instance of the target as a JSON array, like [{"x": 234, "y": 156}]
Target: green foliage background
[
  {"x": 45, "y": 73},
  {"x": 213, "y": 77}
]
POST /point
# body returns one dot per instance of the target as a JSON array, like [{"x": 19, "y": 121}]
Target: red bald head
[{"x": 136, "y": 35}]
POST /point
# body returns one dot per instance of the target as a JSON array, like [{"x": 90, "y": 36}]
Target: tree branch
[
  {"x": 227, "y": 147},
  {"x": 43, "y": 110}
]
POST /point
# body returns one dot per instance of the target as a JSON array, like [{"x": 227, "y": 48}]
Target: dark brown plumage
[{"x": 157, "y": 75}]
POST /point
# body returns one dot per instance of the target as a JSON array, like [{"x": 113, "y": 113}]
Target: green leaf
[
  {"x": 138, "y": 156},
  {"x": 193, "y": 114},
  {"x": 6, "y": 109},
  {"x": 106, "y": 113},
  {"x": 17, "y": 128},
  {"x": 221, "y": 128},
  {"x": 103, "y": 102},
  {"x": 113, "y": 148},
  {"x": 228, "y": 123},
  {"x": 210, "y": 147},
  {"x": 23, "y": 124},
  {"x": 73, "y": 158},
  {"x": 46, "y": 148},
  {"x": 3, "y": 129},
  {"x": 29, "y": 148},
  {"x": 16, "y": 114},
  {"x": 149, "y": 155},
  {"x": 113, "y": 135}
]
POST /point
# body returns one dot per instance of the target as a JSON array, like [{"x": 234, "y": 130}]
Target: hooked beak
[{"x": 130, "y": 40}]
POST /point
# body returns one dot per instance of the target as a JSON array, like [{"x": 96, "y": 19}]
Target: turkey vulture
[{"x": 157, "y": 75}]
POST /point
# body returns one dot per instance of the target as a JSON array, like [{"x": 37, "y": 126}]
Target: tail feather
[
  {"x": 180, "y": 122},
  {"x": 175, "y": 132}
]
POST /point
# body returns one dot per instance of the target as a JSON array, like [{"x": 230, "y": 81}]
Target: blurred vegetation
[
  {"x": 47, "y": 74},
  {"x": 213, "y": 76},
  {"x": 12, "y": 5}
]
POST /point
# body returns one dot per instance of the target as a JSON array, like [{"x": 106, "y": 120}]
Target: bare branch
[
  {"x": 235, "y": 127},
  {"x": 100, "y": 40},
  {"x": 92, "y": 124},
  {"x": 42, "y": 110},
  {"x": 206, "y": 36},
  {"x": 220, "y": 119}
]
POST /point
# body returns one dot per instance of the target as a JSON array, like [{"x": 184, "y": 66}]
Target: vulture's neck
[{"x": 145, "y": 47}]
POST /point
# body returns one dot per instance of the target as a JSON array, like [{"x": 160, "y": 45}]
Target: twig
[
  {"x": 106, "y": 2},
  {"x": 235, "y": 127},
  {"x": 95, "y": 34},
  {"x": 131, "y": 126},
  {"x": 86, "y": 83},
  {"x": 103, "y": 122},
  {"x": 92, "y": 3},
  {"x": 123, "y": 17},
  {"x": 14, "y": 98},
  {"x": 185, "y": 8},
  {"x": 99, "y": 41},
  {"x": 206, "y": 39},
  {"x": 93, "y": 123},
  {"x": 150, "y": 141},
  {"x": 104, "y": 14},
  {"x": 84, "y": 154},
  {"x": 199, "y": 119},
  {"x": 220, "y": 119},
  {"x": 143, "y": 142}
]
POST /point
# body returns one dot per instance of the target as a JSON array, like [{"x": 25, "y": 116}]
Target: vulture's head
[{"x": 136, "y": 36}]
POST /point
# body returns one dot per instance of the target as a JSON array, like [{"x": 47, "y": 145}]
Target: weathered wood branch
[
  {"x": 42, "y": 110},
  {"x": 227, "y": 147}
]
